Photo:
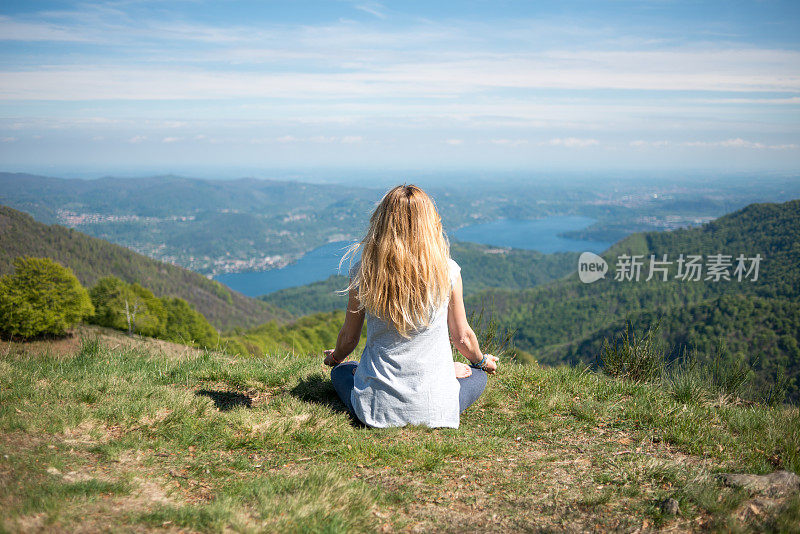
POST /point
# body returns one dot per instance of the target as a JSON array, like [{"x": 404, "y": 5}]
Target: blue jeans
[{"x": 471, "y": 386}]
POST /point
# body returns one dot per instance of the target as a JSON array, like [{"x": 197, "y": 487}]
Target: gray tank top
[{"x": 402, "y": 381}]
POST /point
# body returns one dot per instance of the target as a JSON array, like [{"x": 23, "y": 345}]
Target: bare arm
[
  {"x": 463, "y": 337},
  {"x": 350, "y": 333}
]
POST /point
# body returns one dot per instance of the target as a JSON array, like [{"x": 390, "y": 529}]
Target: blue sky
[{"x": 230, "y": 88}]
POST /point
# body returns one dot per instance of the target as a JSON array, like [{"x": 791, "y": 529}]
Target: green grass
[{"x": 202, "y": 441}]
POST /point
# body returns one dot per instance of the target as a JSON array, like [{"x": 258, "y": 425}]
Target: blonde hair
[{"x": 404, "y": 271}]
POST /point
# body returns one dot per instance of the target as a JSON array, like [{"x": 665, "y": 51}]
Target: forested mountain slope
[
  {"x": 762, "y": 331},
  {"x": 565, "y": 321},
  {"x": 91, "y": 258}
]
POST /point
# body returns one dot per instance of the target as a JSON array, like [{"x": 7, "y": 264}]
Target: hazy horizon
[{"x": 375, "y": 178}]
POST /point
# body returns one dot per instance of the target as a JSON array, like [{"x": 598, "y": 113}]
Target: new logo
[{"x": 591, "y": 267}]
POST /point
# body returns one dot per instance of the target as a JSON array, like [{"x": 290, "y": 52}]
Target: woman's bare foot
[{"x": 462, "y": 370}]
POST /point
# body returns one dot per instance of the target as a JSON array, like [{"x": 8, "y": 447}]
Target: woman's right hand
[
  {"x": 490, "y": 366},
  {"x": 330, "y": 361}
]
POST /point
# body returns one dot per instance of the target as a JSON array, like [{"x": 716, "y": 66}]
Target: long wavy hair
[{"x": 404, "y": 271}]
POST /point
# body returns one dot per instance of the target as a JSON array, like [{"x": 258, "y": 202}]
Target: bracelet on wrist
[{"x": 481, "y": 364}]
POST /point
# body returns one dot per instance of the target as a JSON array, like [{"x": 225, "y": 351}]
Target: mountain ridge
[{"x": 92, "y": 258}]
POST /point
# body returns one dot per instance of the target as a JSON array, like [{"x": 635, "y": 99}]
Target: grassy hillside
[
  {"x": 91, "y": 258},
  {"x": 555, "y": 320},
  {"x": 112, "y": 433},
  {"x": 482, "y": 267}
]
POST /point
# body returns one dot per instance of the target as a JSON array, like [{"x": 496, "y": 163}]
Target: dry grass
[{"x": 141, "y": 435}]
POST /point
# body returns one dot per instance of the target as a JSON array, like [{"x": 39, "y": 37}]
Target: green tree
[
  {"x": 41, "y": 297},
  {"x": 186, "y": 325},
  {"x": 128, "y": 307}
]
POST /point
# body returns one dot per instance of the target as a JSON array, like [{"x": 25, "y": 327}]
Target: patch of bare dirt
[
  {"x": 88, "y": 432},
  {"x": 115, "y": 339},
  {"x": 150, "y": 485},
  {"x": 546, "y": 484},
  {"x": 29, "y": 523}
]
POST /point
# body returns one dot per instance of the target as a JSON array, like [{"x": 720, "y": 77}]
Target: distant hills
[
  {"x": 216, "y": 226},
  {"x": 91, "y": 258},
  {"x": 209, "y": 226}
]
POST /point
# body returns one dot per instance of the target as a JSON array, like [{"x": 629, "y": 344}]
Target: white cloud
[
  {"x": 509, "y": 142},
  {"x": 13, "y": 30},
  {"x": 8, "y": 139},
  {"x": 373, "y": 8},
  {"x": 726, "y": 143},
  {"x": 739, "y": 143},
  {"x": 326, "y": 139},
  {"x": 788, "y": 146},
  {"x": 426, "y": 57},
  {"x": 571, "y": 142},
  {"x": 488, "y": 82},
  {"x": 171, "y": 139},
  {"x": 791, "y": 101},
  {"x": 640, "y": 143},
  {"x": 323, "y": 67}
]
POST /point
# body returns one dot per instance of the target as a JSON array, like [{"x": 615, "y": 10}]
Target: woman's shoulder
[{"x": 455, "y": 270}]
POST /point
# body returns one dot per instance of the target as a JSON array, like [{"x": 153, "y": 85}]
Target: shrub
[
  {"x": 691, "y": 380},
  {"x": 133, "y": 308},
  {"x": 774, "y": 394},
  {"x": 186, "y": 325},
  {"x": 128, "y": 307},
  {"x": 41, "y": 297},
  {"x": 634, "y": 358},
  {"x": 686, "y": 379},
  {"x": 727, "y": 376},
  {"x": 492, "y": 339}
]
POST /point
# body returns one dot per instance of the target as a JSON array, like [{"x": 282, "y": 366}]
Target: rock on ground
[{"x": 774, "y": 484}]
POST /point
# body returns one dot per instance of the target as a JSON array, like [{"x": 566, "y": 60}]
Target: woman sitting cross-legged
[{"x": 409, "y": 290}]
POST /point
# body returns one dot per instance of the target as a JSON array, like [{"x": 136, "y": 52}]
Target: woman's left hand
[{"x": 491, "y": 364}]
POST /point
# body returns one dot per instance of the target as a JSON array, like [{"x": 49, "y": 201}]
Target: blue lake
[
  {"x": 540, "y": 234},
  {"x": 320, "y": 263},
  {"x": 316, "y": 265}
]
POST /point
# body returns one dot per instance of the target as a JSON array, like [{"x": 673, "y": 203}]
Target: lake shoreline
[{"x": 542, "y": 234}]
